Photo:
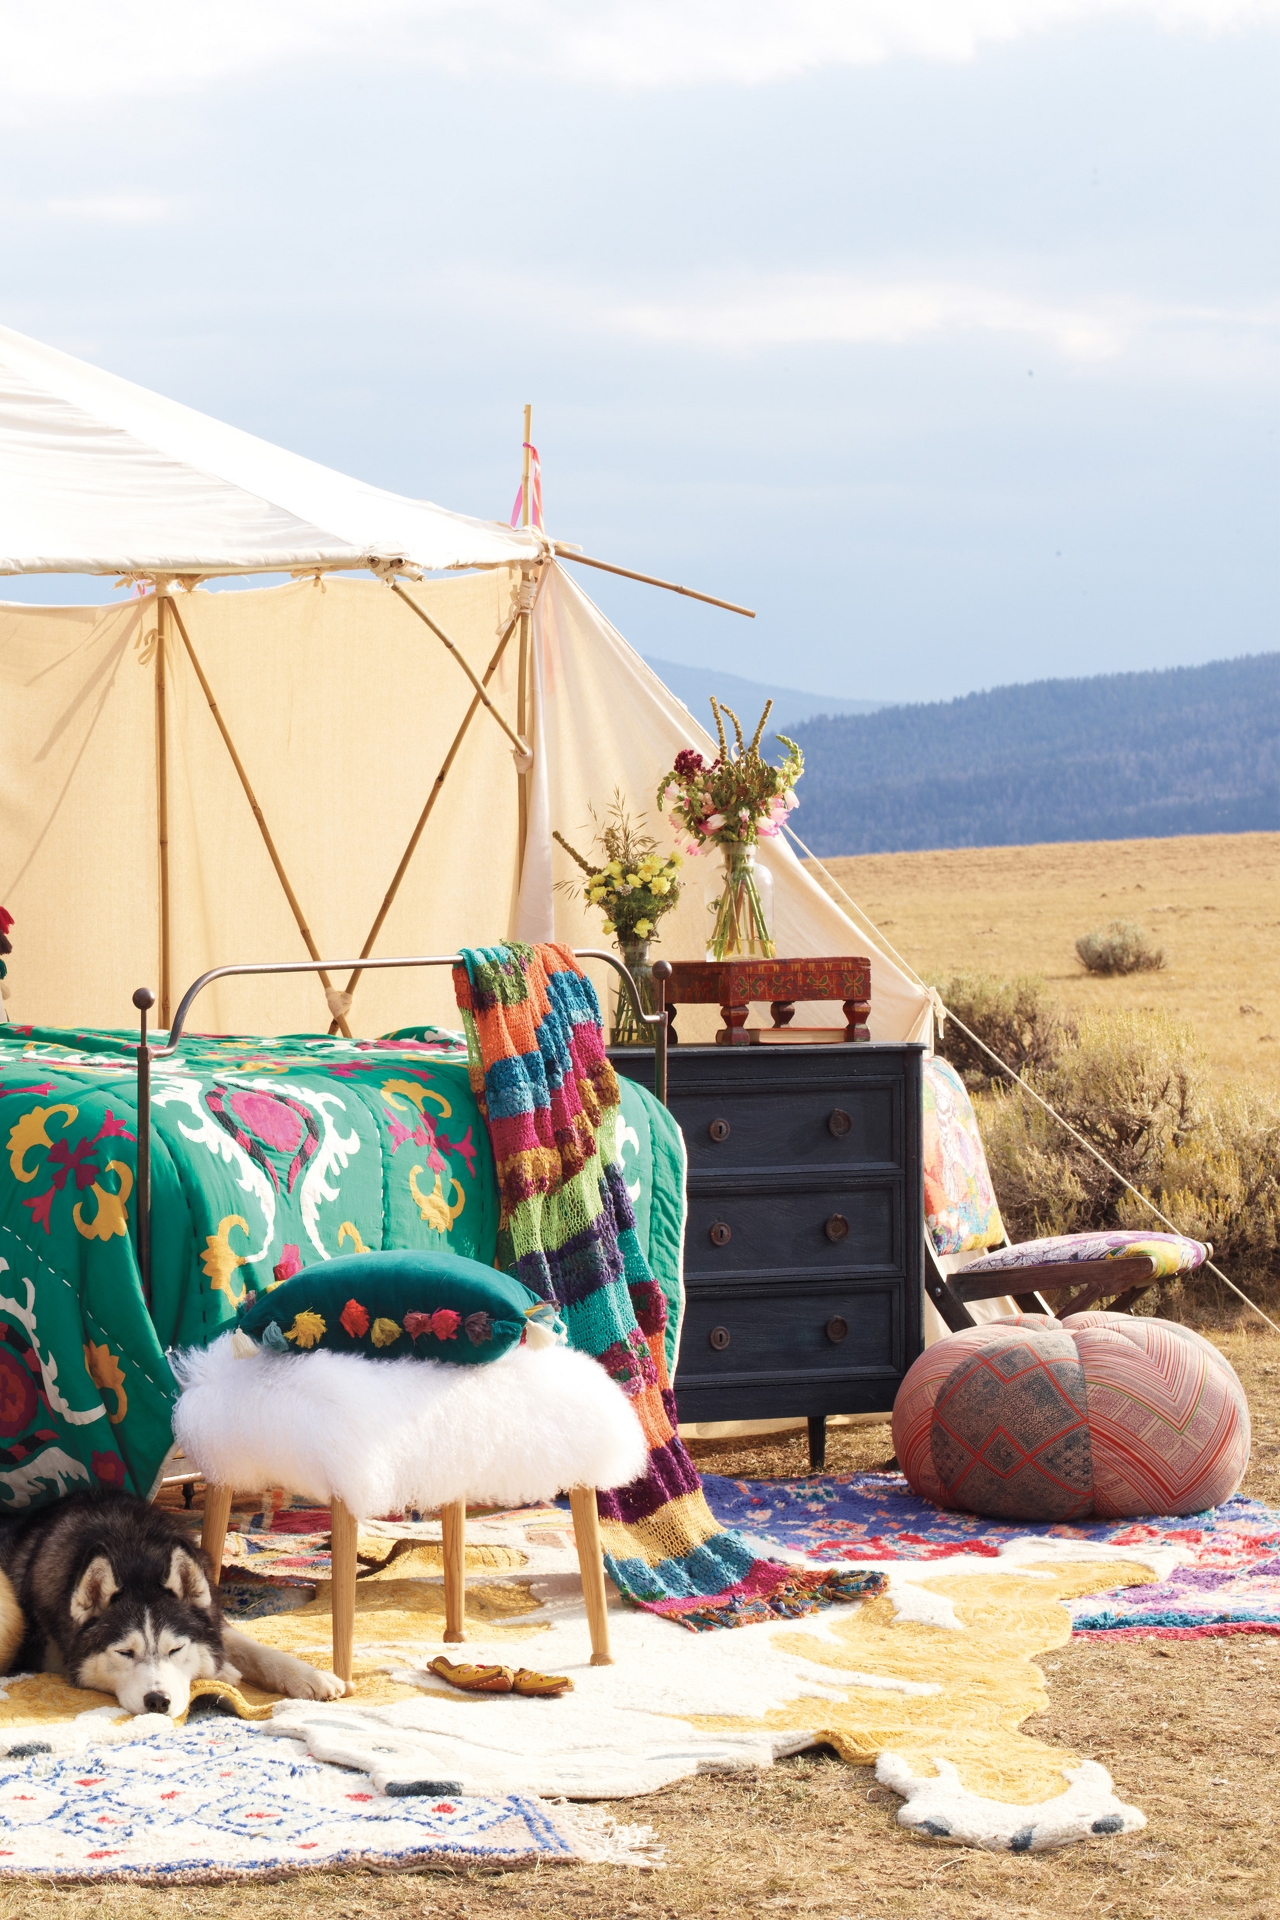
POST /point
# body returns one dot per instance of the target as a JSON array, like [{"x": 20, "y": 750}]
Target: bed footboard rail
[{"x": 144, "y": 999}]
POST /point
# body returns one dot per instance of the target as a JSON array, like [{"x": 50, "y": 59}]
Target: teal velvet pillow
[{"x": 433, "y": 1306}]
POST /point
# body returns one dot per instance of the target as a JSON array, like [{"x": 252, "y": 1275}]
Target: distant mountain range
[
  {"x": 693, "y": 685},
  {"x": 1115, "y": 757}
]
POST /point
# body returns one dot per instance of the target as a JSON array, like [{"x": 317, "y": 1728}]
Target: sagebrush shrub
[
  {"x": 1123, "y": 948},
  {"x": 1016, "y": 1018},
  {"x": 1132, "y": 1085}
]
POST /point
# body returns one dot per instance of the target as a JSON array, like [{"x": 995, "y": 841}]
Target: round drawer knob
[
  {"x": 718, "y": 1338},
  {"x": 719, "y": 1130},
  {"x": 721, "y": 1234},
  {"x": 836, "y": 1228},
  {"x": 839, "y": 1123},
  {"x": 837, "y": 1329}
]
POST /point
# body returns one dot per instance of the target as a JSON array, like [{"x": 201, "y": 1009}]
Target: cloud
[
  {"x": 839, "y": 309},
  {"x": 73, "y": 51},
  {"x": 760, "y": 312},
  {"x": 114, "y": 210}
]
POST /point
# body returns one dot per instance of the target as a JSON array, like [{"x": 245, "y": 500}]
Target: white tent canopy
[
  {"x": 193, "y": 779},
  {"x": 98, "y": 475}
]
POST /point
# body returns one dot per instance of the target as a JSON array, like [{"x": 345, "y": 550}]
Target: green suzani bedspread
[{"x": 265, "y": 1154}]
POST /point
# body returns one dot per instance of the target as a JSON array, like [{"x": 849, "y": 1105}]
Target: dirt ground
[
  {"x": 1211, "y": 901},
  {"x": 1190, "y": 1730}
]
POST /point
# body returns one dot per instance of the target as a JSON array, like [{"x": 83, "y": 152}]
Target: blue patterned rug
[
  {"x": 218, "y": 1801},
  {"x": 1231, "y": 1583}
]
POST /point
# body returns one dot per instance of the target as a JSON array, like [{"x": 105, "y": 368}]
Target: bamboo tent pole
[
  {"x": 162, "y": 798},
  {"x": 522, "y": 697},
  {"x": 437, "y": 786},
  {"x": 649, "y": 580},
  {"x": 257, "y": 812},
  {"x": 515, "y": 739}
]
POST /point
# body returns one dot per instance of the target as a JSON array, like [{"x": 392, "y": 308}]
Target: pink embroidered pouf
[{"x": 1032, "y": 1418}]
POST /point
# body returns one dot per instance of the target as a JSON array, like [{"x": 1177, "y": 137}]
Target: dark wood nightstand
[{"x": 805, "y": 1237}]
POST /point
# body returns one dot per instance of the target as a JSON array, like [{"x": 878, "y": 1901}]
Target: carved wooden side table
[{"x": 733, "y": 985}]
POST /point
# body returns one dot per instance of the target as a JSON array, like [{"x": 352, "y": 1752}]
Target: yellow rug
[{"x": 882, "y": 1676}]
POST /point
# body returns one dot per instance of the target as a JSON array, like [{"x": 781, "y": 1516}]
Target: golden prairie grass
[{"x": 1212, "y": 901}]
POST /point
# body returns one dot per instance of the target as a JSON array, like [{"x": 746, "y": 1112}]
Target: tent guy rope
[{"x": 946, "y": 1013}]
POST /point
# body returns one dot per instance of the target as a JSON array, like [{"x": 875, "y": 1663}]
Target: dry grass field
[
  {"x": 1211, "y": 901},
  {"x": 1190, "y": 1730}
]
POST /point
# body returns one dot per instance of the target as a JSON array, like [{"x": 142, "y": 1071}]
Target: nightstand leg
[{"x": 817, "y": 1442}]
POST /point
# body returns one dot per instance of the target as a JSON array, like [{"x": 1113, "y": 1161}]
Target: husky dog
[{"x": 112, "y": 1593}]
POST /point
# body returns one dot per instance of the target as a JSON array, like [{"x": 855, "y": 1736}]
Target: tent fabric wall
[
  {"x": 342, "y": 706},
  {"x": 603, "y": 719}
]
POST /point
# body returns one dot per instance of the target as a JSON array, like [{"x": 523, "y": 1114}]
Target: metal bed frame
[{"x": 144, "y": 999}]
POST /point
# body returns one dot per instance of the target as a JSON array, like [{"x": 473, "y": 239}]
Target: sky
[{"x": 941, "y": 332}]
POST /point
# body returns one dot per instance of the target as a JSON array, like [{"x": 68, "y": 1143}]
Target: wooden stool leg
[
  {"x": 453, "y": 1523},
  {"x": 213, "y": 1532},
  {"x": 342, "y": 1592},
  {"x": 586, "y": 1532}
]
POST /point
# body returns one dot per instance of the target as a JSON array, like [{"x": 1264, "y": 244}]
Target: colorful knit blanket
[{"x": 566, "y": 1229}]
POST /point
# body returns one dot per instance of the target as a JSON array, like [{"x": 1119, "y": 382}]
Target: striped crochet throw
[{"x": 550, "y": 1099}]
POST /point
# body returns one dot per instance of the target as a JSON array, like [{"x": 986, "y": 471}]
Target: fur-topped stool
[{"x": 367, "y": 1436}]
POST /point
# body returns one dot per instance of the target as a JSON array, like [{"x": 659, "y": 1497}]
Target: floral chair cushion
[
  {"x": 959, "y": 1203},
  {"x": 1172, "y": 1252}
]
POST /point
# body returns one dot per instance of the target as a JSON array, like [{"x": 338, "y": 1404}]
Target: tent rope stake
[
  {"x": 257, "y": 813},
  {"x": 520, "y": 745},
  {"x": 437, "y": 787}
]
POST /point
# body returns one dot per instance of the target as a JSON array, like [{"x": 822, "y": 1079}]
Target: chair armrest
[{"x": 1096, "y": 1277}]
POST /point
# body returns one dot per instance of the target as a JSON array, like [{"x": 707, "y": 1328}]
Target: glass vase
[
  {"x": 627, "y": 1030},
  {"x": 740, "y": 908}
]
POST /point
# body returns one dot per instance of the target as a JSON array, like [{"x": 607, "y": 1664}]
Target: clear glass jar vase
[
  {"x": 739, "y": 904},
  {"x": 627, "y": 1030}
]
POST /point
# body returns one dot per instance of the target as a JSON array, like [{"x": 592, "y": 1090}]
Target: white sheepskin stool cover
[{"x": 385, "y": 1435}]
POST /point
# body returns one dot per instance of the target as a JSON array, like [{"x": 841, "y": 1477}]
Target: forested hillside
[{"x": 1120, "y": 756}]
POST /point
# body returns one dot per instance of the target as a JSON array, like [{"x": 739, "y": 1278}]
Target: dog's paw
[{"x": 312, "y": 1684}]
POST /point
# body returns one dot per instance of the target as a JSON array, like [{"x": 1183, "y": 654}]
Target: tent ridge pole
[
  {"x": 437, "y": 786},
  {"x": 520, "y": 745},
  {"x": 257, "y": 812}
]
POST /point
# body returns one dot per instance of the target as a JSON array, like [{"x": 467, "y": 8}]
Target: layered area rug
[
  {"x": 929, "y": 1677},
  {"x": 1226, "y": 1580},
  {"x": 214, "y": 1801}
]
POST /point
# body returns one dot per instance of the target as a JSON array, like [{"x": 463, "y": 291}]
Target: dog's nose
[{"x": 156, "y": 1702}]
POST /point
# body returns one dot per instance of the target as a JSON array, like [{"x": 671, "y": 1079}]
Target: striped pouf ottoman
[{"x": 1032, "y": 1418}]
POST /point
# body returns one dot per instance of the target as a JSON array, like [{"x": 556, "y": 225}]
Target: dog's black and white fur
[{"x": 112, "y": 1593}]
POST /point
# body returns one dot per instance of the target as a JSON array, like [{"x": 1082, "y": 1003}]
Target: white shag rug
[{"x": 941, "y": 1808}]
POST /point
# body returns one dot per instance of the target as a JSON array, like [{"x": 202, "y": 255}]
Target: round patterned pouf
[{"x": 1032, "y": 1418}]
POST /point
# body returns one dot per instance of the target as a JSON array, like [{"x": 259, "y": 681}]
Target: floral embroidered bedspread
[{"x": 266, "y": 1154}]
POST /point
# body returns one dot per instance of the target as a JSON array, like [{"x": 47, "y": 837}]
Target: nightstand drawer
[
  {"x": 833, "y": 1227},
  {"x": 809, "y": 1127},
  {"x": 835, "y": 1330}
]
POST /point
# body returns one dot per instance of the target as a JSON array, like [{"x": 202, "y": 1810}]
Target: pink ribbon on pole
[{"x": 535, "y": 489}]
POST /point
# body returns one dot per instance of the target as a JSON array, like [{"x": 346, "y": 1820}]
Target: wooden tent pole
[
  {"x": 522, "y": 696},
  {"x": 256, "y": 810},
  {"x": 649, "y": 580},
  {"x": 437, "y": 786},
  {"x": 162, "y": 799},
  {"x": 515, "y": 739}
]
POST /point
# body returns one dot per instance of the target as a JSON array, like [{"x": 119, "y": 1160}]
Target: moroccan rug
[
  {"x": 928, "y": 1679},
  {"x": 214, "y": 1801},
  {"x": 1227, "y": 1580}
]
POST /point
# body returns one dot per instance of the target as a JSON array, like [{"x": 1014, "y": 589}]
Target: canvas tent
[{"x": 190, "y": 778}]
